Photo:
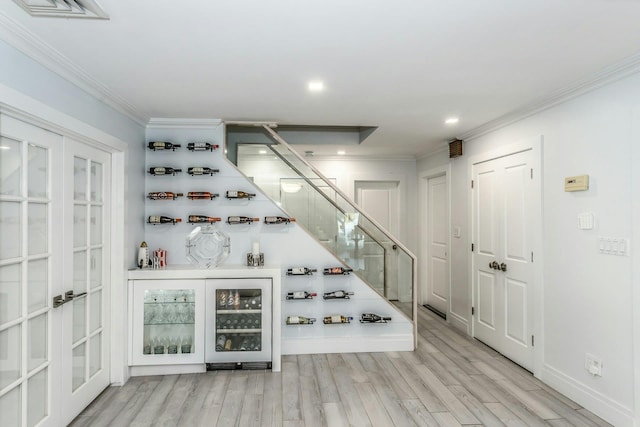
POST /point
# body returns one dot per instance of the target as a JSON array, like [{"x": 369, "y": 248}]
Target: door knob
[
  {"x": 503, "y": 267},
  {"x": 494, "y": 265}
]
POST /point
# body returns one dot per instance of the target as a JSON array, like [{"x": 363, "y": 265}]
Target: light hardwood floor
[{"x": 451, "y": 380}]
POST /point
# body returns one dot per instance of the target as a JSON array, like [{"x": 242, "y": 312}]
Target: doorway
[
  {"x": 54, "y": 219},
  {"x": 506, "y": 222},
  {"x": 380, "y": 201},
  {"x": 435, "y": 266}
]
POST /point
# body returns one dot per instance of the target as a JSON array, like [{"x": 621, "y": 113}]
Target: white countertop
[{"x": 190, "y": 272}]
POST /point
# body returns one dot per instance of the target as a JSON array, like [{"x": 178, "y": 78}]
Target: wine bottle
[
  {"x": 201, "y": 146},
  {"x": 200, "y": 219},
  {"x": 329, "y": 320},
  {"x": 164, "y": 195},
  {"x": 239, "y": 195},
  {"x": 163, "y": 145},
  {"x": 278, "y": 220},
  {"x": 373, "y": 318},
  {"x": 203, "y": 170},
  {"x": 157, "y": 219},
  {"x": 300, "y": 271},
  {"x": 337, "y": 295},
  {"x": 199, "y": 195},
  {"x": 222, "y": 339},
  {"x": 301, "y": 295},
  {"x": 241, "y": 220},
  {"x": 164, "y": 171},
  {"x": 337, "y": 270},
  {"x": 300, "y": 320}
]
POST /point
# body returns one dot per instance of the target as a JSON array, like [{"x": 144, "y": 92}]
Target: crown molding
[
  {"x": 608, "y": 75},
  {"x": 18, "y": 36},
  {"x": 164, "y": 123},
  {"x": 443, "y": 146}
]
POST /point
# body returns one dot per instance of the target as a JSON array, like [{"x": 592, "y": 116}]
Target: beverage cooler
[{"x": 238, "y": 322}]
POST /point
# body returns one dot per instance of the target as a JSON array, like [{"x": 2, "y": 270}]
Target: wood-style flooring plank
[{"x": 451, "y": 380}]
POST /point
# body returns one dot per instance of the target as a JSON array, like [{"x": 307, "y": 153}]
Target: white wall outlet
[
  {"x": 457, "y": 232},
  {"x": 593, "y": 365}
]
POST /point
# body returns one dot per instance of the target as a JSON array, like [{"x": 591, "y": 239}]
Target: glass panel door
[
  {"x": 26, "y": 271},
  {"x": 169, "y": 321},
  {"x": 85, "y": 322},
  {"x": 238, "y": 320}
]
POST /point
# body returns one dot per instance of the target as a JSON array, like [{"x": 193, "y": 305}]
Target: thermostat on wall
[{"x": 576, "y": 183}]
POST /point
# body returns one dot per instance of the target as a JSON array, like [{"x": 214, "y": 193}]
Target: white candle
[{"x": 256, "y": 248}]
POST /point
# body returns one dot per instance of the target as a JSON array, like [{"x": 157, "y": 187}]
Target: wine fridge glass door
[{"x": 238, "y": 320}]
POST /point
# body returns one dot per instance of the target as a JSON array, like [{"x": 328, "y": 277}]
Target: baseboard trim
[
  {"x": 458, "y": 322},
  {"x": 365, "y": 344},
  {"x": 592, "y": 400}
]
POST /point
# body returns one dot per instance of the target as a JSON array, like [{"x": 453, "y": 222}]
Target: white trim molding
[
  {"x": 18, "y": 36},
  {"x": 166, "y": 123}
]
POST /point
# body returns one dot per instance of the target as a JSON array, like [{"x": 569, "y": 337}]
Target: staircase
[{"x": 327, "y": 214}]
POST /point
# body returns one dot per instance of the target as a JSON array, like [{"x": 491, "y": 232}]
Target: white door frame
[
  {"x": 423, "y": 210},
  {"x": 27, "y": 109},
  {"x": 535, "y": 144}
]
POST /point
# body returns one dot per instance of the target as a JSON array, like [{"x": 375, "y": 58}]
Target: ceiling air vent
[{"x": 64, "y": 8}]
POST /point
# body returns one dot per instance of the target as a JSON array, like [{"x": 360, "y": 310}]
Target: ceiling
[{"x": 403, "y": 66}]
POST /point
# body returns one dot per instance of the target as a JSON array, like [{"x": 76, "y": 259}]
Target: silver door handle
[
  {"x": 494, "y": 265},
  {"x": 59, "y": 300},
  {"x": 503, "y": 267}
]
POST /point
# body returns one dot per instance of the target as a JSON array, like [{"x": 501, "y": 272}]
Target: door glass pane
[
  {"x": 79, "y": 226},
  {"x": 80, "y": 179},
  {"x": 96, "y": 225},
  {"x": 79, "y": 318},
  {"x": 38, "y": 171},
  {"x": 10, "y": 292},
  {"x": 37, "y": 229},
  {"x": 78, "y": 366},
  {"x": 37, "y": 287},
  {"x": 95, "y": 361},
  {"x": 37, "y": 342},
  {"x": 96, "y": 182},
  {"x": 37, "y": 398},
  {"x": 10, "y": 408},
  {"x": 95, "y": 311},
  {"x": 10, "y": 355},
  {"x": 96, "y": 268},
  {"x": 10, "y": 230},
  {"x": 10, "y": 167},
  {"x": 79, "y": 272}
]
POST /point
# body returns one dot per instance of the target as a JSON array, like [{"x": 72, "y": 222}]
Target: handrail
[
  {"x": 323, "y": 194},
  {"x": 278, "y": 138}
]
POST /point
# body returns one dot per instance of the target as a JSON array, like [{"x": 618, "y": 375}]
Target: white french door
[
  {"x": 40, "y": 377},
  {"x": 85, "y": 337},
  {"x": 503, "y": 209}
]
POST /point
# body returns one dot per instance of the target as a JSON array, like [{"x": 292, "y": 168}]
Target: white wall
[
  {"x": 587, "y": 296},
  {"x": 347, "y": 171}
]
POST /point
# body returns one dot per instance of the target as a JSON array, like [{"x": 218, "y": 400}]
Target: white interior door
[
  {"x": 53, "y": 360},
  {"x": 85, "y": 320},
  {"x": 379, "y": 200},
  {"x": 437, "y": 286},
  {"x": 503, "y": 205},
  {"x": 29, "y": 266}
]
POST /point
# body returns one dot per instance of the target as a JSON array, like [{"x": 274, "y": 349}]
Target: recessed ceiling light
[
  {"x": 262, "y": 151},
  {"x": 316, "y": 86},
  {"x": 341, "y": 152},
  {"x": 452, "y": 120},
  {"x": 4, "y": 147}
]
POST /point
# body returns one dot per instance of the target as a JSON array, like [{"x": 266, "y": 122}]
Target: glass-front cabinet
[
  {"x": 168, "y": 322},
  {"x": 238, "y": 320}
]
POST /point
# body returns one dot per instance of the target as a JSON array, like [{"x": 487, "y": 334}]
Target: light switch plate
[{"x": 585, "y": 221}]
